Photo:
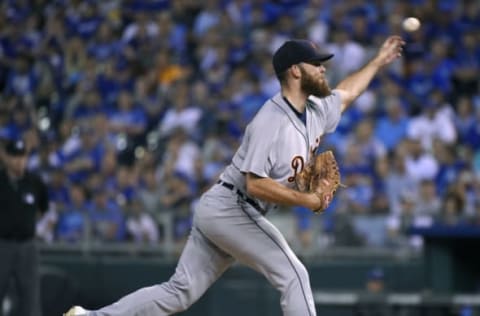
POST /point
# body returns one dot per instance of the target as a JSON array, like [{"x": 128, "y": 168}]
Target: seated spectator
[
  {"x": 399, "y": 224},
  {"x": 125, "y": 184},
  {"x": 141, "y": 226},
  {"x": 86, "y": 21},
  {"x": 58, "y": 188},
  {"x": 20, "y": 121},
  {"x": 433, "y": 123},
  {"x": 167, "y": 70},
  {"x": 128, "y": 119},
  {"x": 467, "y": 186},
  {"x": 46, "y": 159},
  {"x": 45, "y": 226},
  {"x": 108, "y": 169},
  {"x": 450, "y": 165},
  {"x": 380, "y": 201},
  {"x": 474, "y": 219},
  {"x": 452, "y": 210},
  {"x": 85, "y": 157},
  {"x": 472, "y": 136},
  {"x": 180, "y": 115},
  {"x": 72, "y": 218},
  {"x": 467, "y": 64},
  {"x": 105, "y": 44},
  {"x": 117, "y": 76},
  {"x": 106, "y": 218},
  {"x": 212, "y": 167},
  {"x": 75, "y": 60},
  {"x": 251, "y": 101},
  {"x": 417, "y": 205},
  {"x": 85, "y": 106},
  {"x": 150, "y": 191},
  {"x": 464, "y": 118},
  {"x": 419, "y": 163},
  {"x": 356, "y": 198},
  {"x": 343, "y": 230},
  {"x": 392, "y": 128},
  {"x": 140, "y": 26},
  {"x": 176, "y": 33},
  {"x": 418, "y": 79},
  {"x": 428, "y": 202},
  {"x": 442, "y": 64},
  {"x": 353, "y": 161},
  {"x": 147, "y": 93},
  {"x": 304, "y": 229},
  {"x": 181, "y": 154},
  {"x": 209, "y": 16},
  {"x": 177, "y": 199},
  {"x": 371, "y": 148},
  {"x": 349, "y": 54},
  {"x": 22, "y": 79}
]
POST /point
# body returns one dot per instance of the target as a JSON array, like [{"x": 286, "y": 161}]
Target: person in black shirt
[{"x": 23, "y": 196}]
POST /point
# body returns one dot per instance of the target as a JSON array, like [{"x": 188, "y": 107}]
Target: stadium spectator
[
  {"x": 370, "y": 147},
  {"x": 398, "y": 224},
  {"x": 452, "y": 210},
  {"x": 428, "y": 202},
  {"x": 141, "y": 226},
  {"x": 106, "y": 218},
  {"x": 127, "y": 119},
  {"x": 450, "y": 165},
  {"x": 419, "y": 163},
  {"x": 374, "y": 291},
  {"x": 475, "y": 218},
  {"x": 349, "y": 54},
  {"x": 22, "y": 80},
  {"x": 177, "y": 200},
  {"x": 73, "y": 225},
  {"x": 150, "y": 191},
  {"x": 66, "y": 67},
  {"x": 180, "y": 115},
  {"x": 433, "y": 123},
  {"x": 85, "y": 157},
  {"x": 391, "y": 128}
]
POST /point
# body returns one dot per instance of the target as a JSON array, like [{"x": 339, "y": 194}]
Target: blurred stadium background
[{"x": 132, "y": 108}]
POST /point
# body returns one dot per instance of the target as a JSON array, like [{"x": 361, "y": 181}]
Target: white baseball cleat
[{"x": 76, "y": 311}]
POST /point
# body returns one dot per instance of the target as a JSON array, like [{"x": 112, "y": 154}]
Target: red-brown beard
[{"x": 313, "y": 86}]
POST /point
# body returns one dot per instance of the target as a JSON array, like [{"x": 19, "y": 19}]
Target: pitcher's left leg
[{"x": 200, "y": 264}]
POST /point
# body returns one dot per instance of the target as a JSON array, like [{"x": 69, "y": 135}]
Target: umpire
[{"x": 23, "y": 197}]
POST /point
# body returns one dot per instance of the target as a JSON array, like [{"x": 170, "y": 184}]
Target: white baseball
[{"x": 411, "y": 24}]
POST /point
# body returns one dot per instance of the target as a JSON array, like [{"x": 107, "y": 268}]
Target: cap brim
[{"x": 320, "y": 58}]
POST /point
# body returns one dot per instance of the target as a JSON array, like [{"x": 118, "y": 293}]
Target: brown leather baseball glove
[{"x": 320, "y": 176}]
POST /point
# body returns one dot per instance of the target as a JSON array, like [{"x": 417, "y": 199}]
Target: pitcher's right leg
[{"x": 257, "y": 243}]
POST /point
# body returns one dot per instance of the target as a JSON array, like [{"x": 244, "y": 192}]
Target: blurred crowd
[{"x": 132, "y": 108}]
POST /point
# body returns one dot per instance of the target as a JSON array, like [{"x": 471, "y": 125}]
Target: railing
[
  {"x": 132, "y": 249},
  {"x": 414, "y": 299}
]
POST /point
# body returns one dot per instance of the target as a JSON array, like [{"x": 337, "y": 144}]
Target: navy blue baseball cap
[
  {"x": 375, "y": 274},
  {"x": 297, "y": 51},
  {"x": 16, "y": 148}
]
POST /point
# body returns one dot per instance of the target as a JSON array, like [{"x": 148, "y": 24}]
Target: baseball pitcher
[{"x": 274, "y": 165}]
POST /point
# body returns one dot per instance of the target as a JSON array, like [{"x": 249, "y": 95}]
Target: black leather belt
[{"x": 243, "y": 196}]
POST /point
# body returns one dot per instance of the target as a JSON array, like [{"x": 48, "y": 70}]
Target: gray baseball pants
[{"x": 225, "y": 229}]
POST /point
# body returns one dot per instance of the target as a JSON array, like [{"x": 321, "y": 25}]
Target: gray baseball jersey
[
  {"x": 229, "y": 226},
  {"x": 277, "y": 143}
]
